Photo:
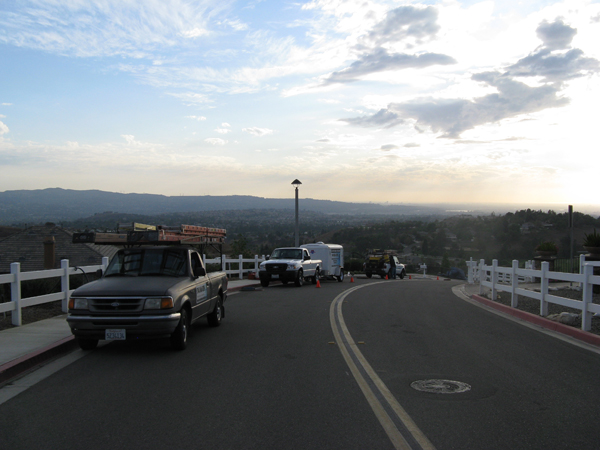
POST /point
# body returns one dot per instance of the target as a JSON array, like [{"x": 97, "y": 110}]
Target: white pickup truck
[{"x": 289, "y": 264}]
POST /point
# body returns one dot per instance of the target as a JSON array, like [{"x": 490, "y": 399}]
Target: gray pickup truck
[{"x": 148, "y": 292}]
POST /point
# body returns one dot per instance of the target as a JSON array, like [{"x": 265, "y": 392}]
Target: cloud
[
  {"x": 453, "y": 116},
  {"x": 255, "y": 131},
  {"x": 215, "y": 141},
  {"x": 6, "y": 104},
  {"x": 556, "y": 35},
  {"x": 3, "y": 128},
  {"x": 198, "y": 118},
  {"x": 411, "y": 145},
  {"x": 550, "y": 61},
  {"x": 388, "y": 147},
  {"x": 223, "y": 130},
  {"x": 380, "y": 60},
  {"x": 405, "y": 22}
]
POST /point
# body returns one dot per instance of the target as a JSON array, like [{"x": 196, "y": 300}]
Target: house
[{"x": 43, "y": 247}]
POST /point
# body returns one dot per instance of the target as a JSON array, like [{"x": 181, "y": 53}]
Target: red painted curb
[
  {"x": 576, "y": 333},
  {"x": 20, "y": 365}
]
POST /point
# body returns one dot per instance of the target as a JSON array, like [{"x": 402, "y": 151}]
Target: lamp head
[{"x": 296, "y": 183}]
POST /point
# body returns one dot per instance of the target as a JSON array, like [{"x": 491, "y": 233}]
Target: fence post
[
  {"x": 104, "y": 263},
  {"x": 15, "y": 294},
  {"x": 470, "y": 275},
  {"x": 241, "y": 268},
  {"x": 588, "y": 289},
  {"x": 514, "y": 299},
  {"x": 481, "y": 275},
  {"x": 544, "y": 288},
  {"x": 64, "y": 284},
  {"x": 494, "y": 279},
  {"x": 256, "y": 265},
  {"x": 581, "y": 264}
]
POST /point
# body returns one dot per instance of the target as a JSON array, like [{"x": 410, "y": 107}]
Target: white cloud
[
  {"x": 3, "y": 128},
  {"x": 198, "y": 118},
  {"x": 255, "y": 131},
  {"x": 215, "y": 141}
]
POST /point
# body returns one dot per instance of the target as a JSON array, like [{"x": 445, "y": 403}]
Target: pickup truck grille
[
  {"x": 120, "y": 304},
  {"x": 276, "y": 268}
]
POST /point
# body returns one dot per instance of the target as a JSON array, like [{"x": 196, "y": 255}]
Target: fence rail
[
  {"x": 16, "y": 277},
  {"x": 507, "y": 279}
]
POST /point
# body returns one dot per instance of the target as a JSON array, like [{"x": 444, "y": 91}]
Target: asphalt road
[{"x": 273, "y": 376}]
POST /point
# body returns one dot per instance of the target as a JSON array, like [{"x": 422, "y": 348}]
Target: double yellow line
[{"x": 400, "y": 428}]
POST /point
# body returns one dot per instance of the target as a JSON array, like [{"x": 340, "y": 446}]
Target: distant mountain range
[{"x": 58, "y": 205}]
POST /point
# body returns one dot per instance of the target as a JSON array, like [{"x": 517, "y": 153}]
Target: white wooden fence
[
  {"x": 507, "y": 279},
  {"x": 16, "y": 277}
]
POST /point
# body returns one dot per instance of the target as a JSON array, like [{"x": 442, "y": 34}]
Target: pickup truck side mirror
[{"x": 99, "y": 273}]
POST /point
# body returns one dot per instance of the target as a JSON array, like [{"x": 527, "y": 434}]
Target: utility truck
[
  {"x": 289, "y": 264},
  {"x": 378, "y": 262},
  {"x": 156, "y": 286},
  {"x": 332, "y": 259}
]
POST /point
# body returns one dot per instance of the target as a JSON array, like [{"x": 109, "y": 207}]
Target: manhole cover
[{"x": 440, "y": 386}]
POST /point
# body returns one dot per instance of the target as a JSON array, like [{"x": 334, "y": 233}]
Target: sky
[{"x": 360, "y": 100}]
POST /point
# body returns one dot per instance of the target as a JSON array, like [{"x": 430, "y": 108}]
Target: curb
[
  {"x": 34, "y": 359},
  {"x": 576, "y": 333}
]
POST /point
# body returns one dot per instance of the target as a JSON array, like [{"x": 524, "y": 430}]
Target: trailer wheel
[{"x": 299, "y": 278}]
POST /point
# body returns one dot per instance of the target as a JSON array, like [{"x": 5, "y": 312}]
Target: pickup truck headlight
[
  {"x": 159, "y": 303},
  {"x": 261, "y": 266},
  {"x": 293, "y": 266},
  {"x": 78, "y": 303}
]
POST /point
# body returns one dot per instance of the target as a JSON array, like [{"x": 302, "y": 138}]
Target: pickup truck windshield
[
  {"x": 148, "y": 261},
  {"x": 286, "y": 253}
]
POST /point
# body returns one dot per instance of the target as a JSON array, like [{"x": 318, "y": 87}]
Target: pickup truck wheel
[
  {"x": 179, "y": 336},
  {"x": 402, "y": 275},
  {"x": 214, "y": 318},
  {"x": 369, "y": 274},
  {"x": 264, "y": 283},
  {"x": 299, "y": 278},
  {"x": 87, "y": 344},
  {"x": 340, "y": 278}
]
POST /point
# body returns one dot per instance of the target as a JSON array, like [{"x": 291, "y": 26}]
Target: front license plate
[
  {"x": 274, "y": 277},
  {"x": 114, "y": 335}
]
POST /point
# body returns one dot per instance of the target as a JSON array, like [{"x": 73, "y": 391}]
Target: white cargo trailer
[{"x": 332, "y": 257}]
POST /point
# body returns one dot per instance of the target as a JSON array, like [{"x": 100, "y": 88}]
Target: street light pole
[{"x": 296, "y": 183}]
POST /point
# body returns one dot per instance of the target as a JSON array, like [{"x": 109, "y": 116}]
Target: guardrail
[
  {"x": 507, "y": 279},
  {"x": 16, "y": 277}
]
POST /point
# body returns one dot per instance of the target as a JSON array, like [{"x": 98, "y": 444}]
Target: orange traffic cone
[
  {"x": 410, "y": 277},
  {"x": 318, "y": 284},
  {"x": 386, "y": 277},
  {"x": 352, "y": 279},
  {"x": 438, "y": 278}
]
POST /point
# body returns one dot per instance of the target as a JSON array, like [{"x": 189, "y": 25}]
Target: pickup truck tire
[
  {"x": 369, "y": 274},
  {"x": 87, "y": 344},
  {"x": 214, "y": 318},
  {"x": 340, "y": 277},
  {"x": 179, "y": 336},
  {"x": 402, "y": 274},
  {"x": 299, "y": 278}
]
